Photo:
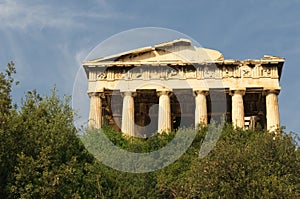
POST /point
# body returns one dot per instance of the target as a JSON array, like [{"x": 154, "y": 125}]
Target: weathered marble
[
  {"x": 128, "y": 114},
  {"x": 178, "y": 65},
  {"x": 273, "y": 120},
  {"x": 201, "y": 108},
  {"x": 95, "y": 116},
  {"x": 164, "y": 112},
  {"x": 238, "y": 108}
]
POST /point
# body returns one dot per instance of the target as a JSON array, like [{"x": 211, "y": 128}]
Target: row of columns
[
  {"x": 164, "y": 112},
  {"x": 272, "y": 109}
]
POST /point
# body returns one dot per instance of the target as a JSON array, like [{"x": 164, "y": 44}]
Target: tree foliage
[
  {"x": 7, "y": 113},
  {"x": 41, "y": 156},
  {"x": 243, "y": 164}
]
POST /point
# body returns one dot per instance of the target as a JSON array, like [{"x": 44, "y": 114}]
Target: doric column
[
  {"x": 164, "y": 112},
  {"x": 128, "y": 114},
  {"x": 95, "y": 116},
  {"x": 201, "y": 108},
  {"x": 238, "y": 108},
  {"x": 272, "y": 110}
]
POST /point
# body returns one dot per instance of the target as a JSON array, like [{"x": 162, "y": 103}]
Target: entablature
[{"x": 238, "y": 69}]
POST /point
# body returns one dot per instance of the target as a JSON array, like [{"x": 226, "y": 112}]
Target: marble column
[
  {"x": 238, "y": 108},
  {"x": 128, "y": 114},
  {"x": 201, "y": 108},
  {"x": 164, "y": 112},
  {"x": 95, "y": 116},
  {"x": 272, "y": 110}
]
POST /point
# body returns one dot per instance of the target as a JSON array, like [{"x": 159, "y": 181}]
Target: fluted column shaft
[
  {"x": 238, "y": 108},
  {"x": 201, "y": 108},
  {"x": 164, "y": 112},
  {"x": 95, "y": 116},
  {"x": 272, "y": 110},
  {"x": 128, "y": 114}
]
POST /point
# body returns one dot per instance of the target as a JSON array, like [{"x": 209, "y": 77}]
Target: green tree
[
  {"x": 40, "y": 154},
  {"x": 51, "y": 161},
  {"x": 7, "y": 112},
  {"x": 243, "y": 164}
]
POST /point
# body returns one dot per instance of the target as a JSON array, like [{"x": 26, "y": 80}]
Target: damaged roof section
[{"x": 179, "y": 51}]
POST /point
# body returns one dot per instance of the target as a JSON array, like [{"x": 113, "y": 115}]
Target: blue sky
[{"x": 48, "y": 39}]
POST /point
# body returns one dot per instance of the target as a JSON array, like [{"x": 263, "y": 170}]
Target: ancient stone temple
[{"x": 176, "y": 84}]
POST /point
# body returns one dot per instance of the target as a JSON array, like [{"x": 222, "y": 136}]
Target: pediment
[{"x": 177, "y": 51}]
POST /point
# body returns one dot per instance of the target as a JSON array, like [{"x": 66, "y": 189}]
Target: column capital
[
  {"x": 267, "y": 91},
  {"x": 128, "y": 93},
  {"x": 203, "y": 92},
  {"x": 240, "y": 91},
  {"x": 163, "y": 92},
  {"x": 100, "y": 94}
]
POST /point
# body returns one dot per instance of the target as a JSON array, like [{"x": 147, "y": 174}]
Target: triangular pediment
[{"x": 177, "y": 51}]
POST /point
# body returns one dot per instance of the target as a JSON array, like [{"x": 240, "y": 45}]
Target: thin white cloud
[{"x": 19, "y": 14}]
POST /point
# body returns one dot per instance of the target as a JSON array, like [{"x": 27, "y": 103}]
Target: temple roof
[{"x": 176, "y": 52}]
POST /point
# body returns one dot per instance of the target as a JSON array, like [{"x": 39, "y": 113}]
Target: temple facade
[{"x": 176, "y": 84}]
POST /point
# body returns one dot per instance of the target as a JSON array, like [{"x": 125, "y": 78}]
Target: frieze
[
  {"x": 246, "y": 71},
  {"x": 200, "y": 72},
  {"x": 211, "y": 73}
]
